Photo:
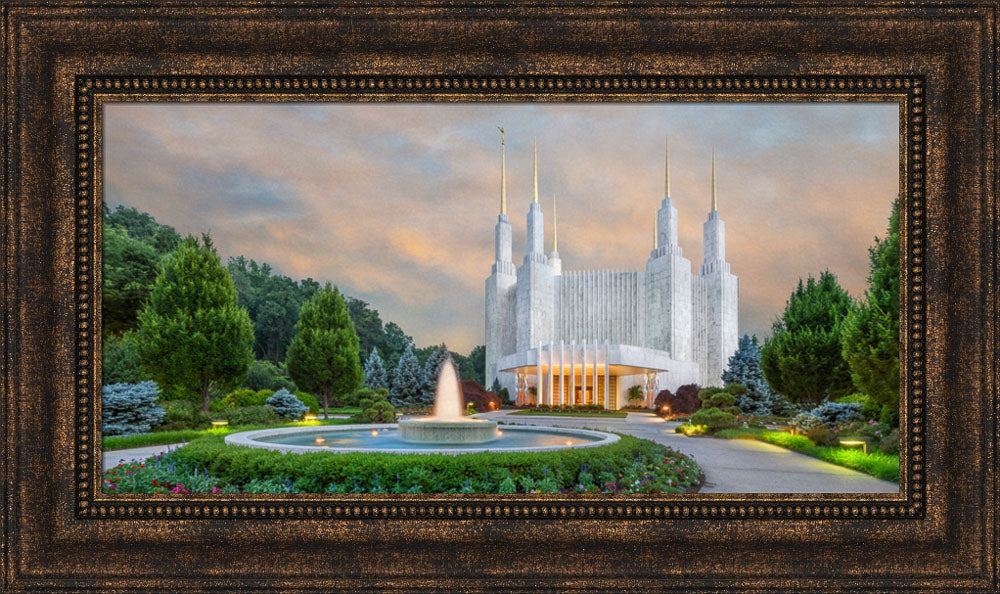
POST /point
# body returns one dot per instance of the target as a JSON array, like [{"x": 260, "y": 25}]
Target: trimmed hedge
[{"x": 644, "y": 465}]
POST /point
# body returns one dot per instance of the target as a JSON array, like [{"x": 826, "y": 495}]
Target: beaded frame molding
[
  {"x": 63, "y": 58},
  {"x": 906, "y": 91}
]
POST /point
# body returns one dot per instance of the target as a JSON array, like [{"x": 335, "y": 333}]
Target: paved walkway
[
  {"x": 115, "y": 457},
  {"x": 730, "y": 465}
]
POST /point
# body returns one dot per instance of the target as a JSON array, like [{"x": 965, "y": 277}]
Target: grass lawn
[
  {"x": 883, "y": 466},
  {"x": 599, "y": 414},
  {"x": 122, "y": 442}
]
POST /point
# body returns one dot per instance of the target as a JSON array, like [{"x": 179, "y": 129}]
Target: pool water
[{"x": 389, "y": 439}]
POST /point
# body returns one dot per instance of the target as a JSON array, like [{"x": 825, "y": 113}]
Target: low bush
[
  {"x": 251, "y": 415},
  {"x": 869, "y": 408},
  {"x": 128, "y": 409},
  {"x": 890, "y": 443},
  {"x": 803, "y": 422},
  {"x": 375, "y": 407},
  {"x": 822, "y": 435},
  {"x": 691, "y": 430},
  {"x": 245, "y": 397},
  {"x": 889, "y": 415},
  {"x": 183, "y": 415},
  {"x": 264, "y": 375},
  {"x": 286, "y": 405},
  {"x": 631, "y": 465},
  {"x": 684, "y": 402},
  {"x": 832, "y": 413},
  {"x": 713, "y": 418},
  {"x": 308, "y": 400}
]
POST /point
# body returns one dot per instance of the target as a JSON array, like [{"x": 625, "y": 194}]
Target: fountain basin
[
  {"x": 451, "y": 432},
  {"x": 387, "y": 439}
]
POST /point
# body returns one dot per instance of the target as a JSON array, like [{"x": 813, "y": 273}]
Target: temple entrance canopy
[{"x": 568, "y": 374}]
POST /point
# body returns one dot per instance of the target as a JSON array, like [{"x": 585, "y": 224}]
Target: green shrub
[
  {"x": 706, "y": 393},
  {"x": 691, "y": 430},
  {"x": 889, "y": 415},
  {"x": 264, "y": 375},
  {"x": 183, "y": 414},
  {"x": 890, "y": 443},
  {"x": 470, "y": 409},
  {"x": 217, "y": 406},
  {"x": 244, "y": 397},
  {"x": 252, "y": 415},
  {"x": 822, "y": 435},
  {"x": 736, "y": 389},
  {"x": 308, "y": 400},
  {"x": 120, "y": 361},
  {"x": 713, "y": 418},
  {"x": 719, "y": 400},
  {"x": 375, "y": 407},
  {"x": 869, "y": 408}
]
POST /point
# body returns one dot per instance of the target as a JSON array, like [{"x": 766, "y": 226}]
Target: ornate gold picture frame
[{"x": 938, "y": 63}]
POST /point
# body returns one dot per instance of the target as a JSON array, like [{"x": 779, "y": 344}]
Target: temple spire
[
  {"x": 713, "y": 180},
  {"x": 503, "y": 172},
  {"x": 666, "y": 168},
  {"x": 534, "y": 170},
  {"x": 555, "y": 235}
]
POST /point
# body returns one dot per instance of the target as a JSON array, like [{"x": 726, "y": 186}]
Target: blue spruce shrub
[
  {"x": 833, "y": 413},
  {"x": 408, "y": 381},
  {"x": 803, "y": 422},
  {"x": 127, "y": 409},
  {"x": 286, "y": 405},
  {"x": 375, "y": 375},
  {"x": 744, "y": 368}
]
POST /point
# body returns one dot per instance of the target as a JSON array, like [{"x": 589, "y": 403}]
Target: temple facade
[{"x": 561, "y": 337}]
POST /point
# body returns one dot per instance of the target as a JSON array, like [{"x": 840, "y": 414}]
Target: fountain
[
  {"x": 447, "y": 431},
  {"x": 449, "y": 424}
]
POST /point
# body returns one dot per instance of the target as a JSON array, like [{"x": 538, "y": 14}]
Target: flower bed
[{"x": 631, "y": 465}]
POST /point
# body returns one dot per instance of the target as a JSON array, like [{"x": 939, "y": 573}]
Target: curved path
[{"x": 730, "y": 465}]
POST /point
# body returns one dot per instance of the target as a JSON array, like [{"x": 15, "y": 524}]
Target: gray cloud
[{"x": 396, "y": 202}]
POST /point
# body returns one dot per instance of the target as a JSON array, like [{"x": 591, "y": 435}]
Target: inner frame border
[{"x": 909, "y": 91}]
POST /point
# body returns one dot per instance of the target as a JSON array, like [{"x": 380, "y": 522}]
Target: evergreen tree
[
  {"x": 744, "y": 368},
  {"x": 129, "y": 273},
  {"x": 803, "y": 359},
  {"x": 495, "y": 388},
  {"x": 375, "y": 377},
  {"x": 870, "y": 337},
  {"x": 432, "y": 368},
  {"x": 193, "y": 334},
  {"x": 323, "y": 355},
  {"x": 408, "y": 380}
]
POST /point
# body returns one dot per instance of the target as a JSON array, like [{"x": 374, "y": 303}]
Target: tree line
[{"x": 171, "y": 310}]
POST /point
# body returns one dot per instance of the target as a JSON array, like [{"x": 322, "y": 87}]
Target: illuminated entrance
[{"x": 568, "y": 375}]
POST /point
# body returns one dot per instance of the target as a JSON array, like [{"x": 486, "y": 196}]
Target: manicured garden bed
[
  {"x": 883, "y": 466},
  {"x": 597, "y": 414},
  {"x": 207, "y": 464}
]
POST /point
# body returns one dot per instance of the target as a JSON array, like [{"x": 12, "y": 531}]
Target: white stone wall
[
  {"x": 720, "y": 324},
  {"x": 536, "y": 232},
  {"x": 535, "y": 304},
  {"x": 599, "y": 305},
  {"x": 501, "y": 325}
]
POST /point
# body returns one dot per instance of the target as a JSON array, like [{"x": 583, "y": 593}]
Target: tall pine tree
[
  {"x": 323, "y": 355},
  {"x": 375, "y": 377},
  {"x": 870, "y": 338},
  {"x": 432, "y": 368},
  {"x": 802, "y": 359},
  {"x": 744, "y": 368},
  {"x": 408, "y": 380},
  {"x": 193, "y": 334}
]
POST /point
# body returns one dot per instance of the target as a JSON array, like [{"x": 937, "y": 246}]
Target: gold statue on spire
[
  {"x": 503, "y": 172},
  {"x": 713, "y": 179},
  {"x": 534, "y": 169}
]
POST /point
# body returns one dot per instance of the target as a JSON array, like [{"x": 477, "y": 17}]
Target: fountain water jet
[{"x": 448, "y": 424}]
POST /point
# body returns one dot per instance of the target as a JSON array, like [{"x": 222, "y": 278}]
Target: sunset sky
[{"x": 395, "y": 202}]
